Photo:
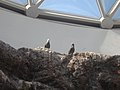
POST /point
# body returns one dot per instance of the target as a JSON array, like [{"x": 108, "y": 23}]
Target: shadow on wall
[{"x": 111, "y": 44}]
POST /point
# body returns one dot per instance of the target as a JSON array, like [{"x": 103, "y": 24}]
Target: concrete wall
[{"x": 21, "y": 31}]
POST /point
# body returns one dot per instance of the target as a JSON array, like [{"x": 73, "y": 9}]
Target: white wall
[{"x": 21, "y": 31}]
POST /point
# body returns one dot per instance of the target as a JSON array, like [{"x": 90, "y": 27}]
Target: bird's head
[
  {"x": 72, "y": 44},
  {"x": 48, "y": 40}
]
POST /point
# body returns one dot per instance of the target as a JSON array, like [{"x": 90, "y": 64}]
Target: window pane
[
  {"x": 117, "y": 14},
  {"x": 107, "y": 4},
  {"x": 34, "y": 1},
  {"x": 87, "y": 8},
  {"x": 23, "y": 2}
]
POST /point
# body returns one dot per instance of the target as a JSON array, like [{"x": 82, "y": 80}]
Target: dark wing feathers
[
  {"x": 47, "y": 45},
  {"x": 71, "y": 51}
]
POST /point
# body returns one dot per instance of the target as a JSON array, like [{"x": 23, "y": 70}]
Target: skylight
[
  {"x": 22, "y": 2},
  {"x": 117, "y": 14},
  {"x": 100, "y": 13},
  {"x": 107, "y": 4},
  {"x": 86, "y": 8}
]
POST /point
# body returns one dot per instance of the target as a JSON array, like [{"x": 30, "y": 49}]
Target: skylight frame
[
  {"x": 10, "y": 3},
  {"x": 13, "y": 6},
  {"x": 58, "y": 16},
  {"x": 112, "y": 11}
]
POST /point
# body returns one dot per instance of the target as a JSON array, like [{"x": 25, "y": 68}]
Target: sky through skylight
[
  {"x": 23, "y": 2},
  {"x": 77, "y": 7},
  {"x": 117, "y": 14},
  {"x": 107, "y": 4},
  {"x": 87, "y": 8}
]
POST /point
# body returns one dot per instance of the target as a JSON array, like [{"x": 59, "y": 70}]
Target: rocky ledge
[{"x": 40, "y": 69}]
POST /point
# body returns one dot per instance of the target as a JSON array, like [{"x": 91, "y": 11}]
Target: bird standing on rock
[
  {"x": 47, "y": 45},
  {"x": 72, "y": 49}
]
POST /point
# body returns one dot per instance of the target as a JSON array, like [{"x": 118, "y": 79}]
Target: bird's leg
[
  {"x": 48, "y": 54},
  {"x": 51, "y": 55}
]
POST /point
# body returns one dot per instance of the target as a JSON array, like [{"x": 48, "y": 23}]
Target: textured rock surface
[{"x": 40, "y": 69}]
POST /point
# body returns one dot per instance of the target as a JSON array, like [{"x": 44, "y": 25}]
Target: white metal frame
[{"x": 31, "y": 10}]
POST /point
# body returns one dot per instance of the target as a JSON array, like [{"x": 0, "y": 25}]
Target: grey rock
[{"x": 39, "y": 69}]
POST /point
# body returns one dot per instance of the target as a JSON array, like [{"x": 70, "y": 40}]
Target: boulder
[{"x": 41, "y": 69}]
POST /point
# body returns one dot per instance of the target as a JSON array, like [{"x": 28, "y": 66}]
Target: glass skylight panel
[
  {"x": 22, "y": 2},
  {"x": 117, "y": 14},
  {"x": 86, "y": 8},
  {"x": 107, "y": 4},
  {"x": 35, "y": 1}
]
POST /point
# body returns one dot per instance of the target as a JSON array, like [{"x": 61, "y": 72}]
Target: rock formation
[{"x": 39, "y": 69}]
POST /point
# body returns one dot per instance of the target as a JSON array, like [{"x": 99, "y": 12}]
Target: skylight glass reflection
[
  {"x": 23, "y": 2},
  {"x": 86, "y": 8},
  {"x": 117, "y": 14},
  {"x": 107, "y": 4},
  {"x": 34, "y": 1}
]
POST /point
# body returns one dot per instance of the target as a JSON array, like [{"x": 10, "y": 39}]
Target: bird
[
  {"x": 47, "y": 45},
  {"x": 72, "y": 49}
]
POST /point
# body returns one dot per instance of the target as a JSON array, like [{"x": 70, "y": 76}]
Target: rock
[
  {"x": 93, "y": 71},
  {"x": 41, "y": 69}
]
